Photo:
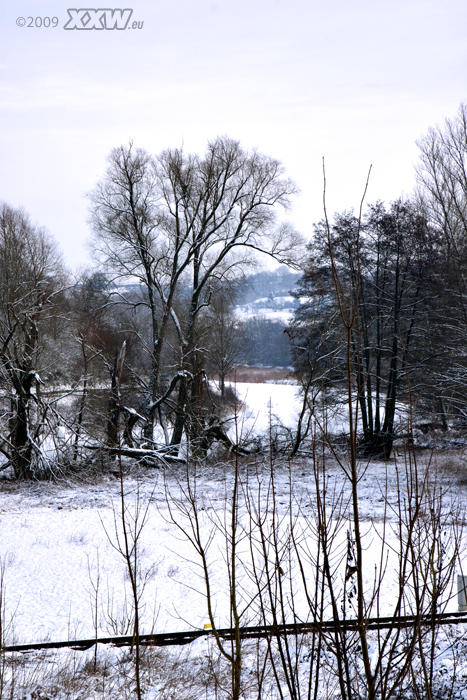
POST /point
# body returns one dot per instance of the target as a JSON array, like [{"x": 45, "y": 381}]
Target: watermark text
[{"x": 86, "y": 19}]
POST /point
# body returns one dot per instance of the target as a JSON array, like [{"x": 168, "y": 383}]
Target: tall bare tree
[
  {"x": 442, "y": 178},
  {"x": 180, "y": 218},
  {"x": 31, "y": 276}
]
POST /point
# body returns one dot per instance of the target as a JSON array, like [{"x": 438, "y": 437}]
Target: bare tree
[
  {"x": 378, "y": 665},
  {"x": 31, "y": 277},
  {"x": 124, "y": 220},
  {"x": 204, "y": 527},
  {"x": 225, "y": 337},
  {"x": 184, "y": 219},
  {"x": 442, "y": 175},
  {"x": 442, "y": 178}
]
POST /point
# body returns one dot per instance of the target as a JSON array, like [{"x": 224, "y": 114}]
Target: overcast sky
[{"x": 354, "y": 81}]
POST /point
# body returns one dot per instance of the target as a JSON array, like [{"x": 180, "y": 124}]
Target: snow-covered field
[
  {"x": 280, "y": 403},
  {"x": 61, "y": 567},
  {"x": 266, "y": 402},
  {"x": 56, "y": 543}
]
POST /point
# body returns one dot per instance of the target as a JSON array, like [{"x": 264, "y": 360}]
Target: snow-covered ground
[
  {"x": 264, "y": 403},
  {"x": 57, "y": 542},
  {"x": 281, "y": 404},
  {"x": 56, "y": 546}
]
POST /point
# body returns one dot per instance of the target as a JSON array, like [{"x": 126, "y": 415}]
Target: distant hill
[
  {"x": 265, "y": 305},
  {"x": 275, "y": 283},
  {"x": 268, "y": 295}
]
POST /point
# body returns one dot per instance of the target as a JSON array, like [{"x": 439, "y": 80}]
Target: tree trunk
[
  {"x": 19, "y": 437},
  {"x": 180, "y": 415},
  {"x": 115, "y": 401}
]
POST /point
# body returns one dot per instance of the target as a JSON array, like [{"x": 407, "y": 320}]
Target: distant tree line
[
  {"x": 266, "y": 343},
  {"x": 402, "y": 269}
]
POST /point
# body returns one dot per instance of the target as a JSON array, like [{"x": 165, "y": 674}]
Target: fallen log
[{"x": 138, "y": 453}]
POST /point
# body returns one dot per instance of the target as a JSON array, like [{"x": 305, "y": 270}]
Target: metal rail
[{"x": 254, "y": 632}]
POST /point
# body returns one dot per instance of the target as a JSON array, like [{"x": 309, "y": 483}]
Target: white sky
[{"x": 356, "y": 82}]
